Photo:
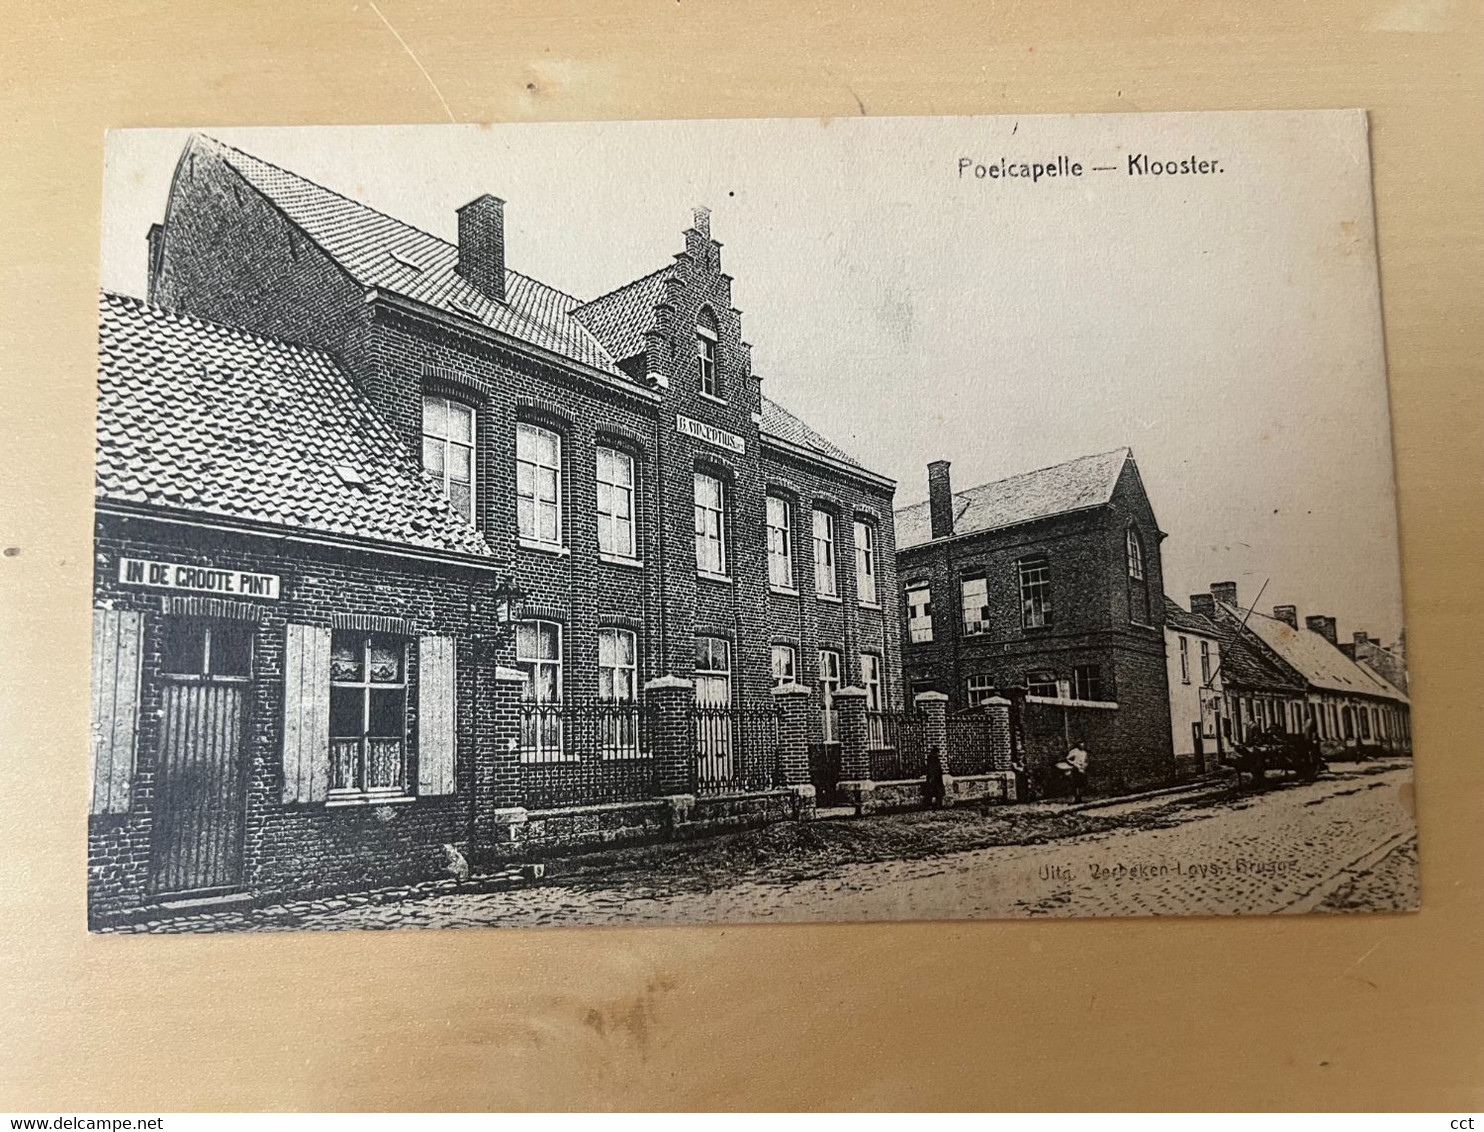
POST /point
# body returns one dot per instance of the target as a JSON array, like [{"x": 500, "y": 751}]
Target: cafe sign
[
  {"x": 710, "y": 434},
  {"x": 197, "y": 579}
]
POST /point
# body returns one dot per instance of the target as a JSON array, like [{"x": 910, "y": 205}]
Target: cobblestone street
[{"x": 1342, "y": 843}]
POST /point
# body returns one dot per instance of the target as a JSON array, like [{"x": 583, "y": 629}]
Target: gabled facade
[{"x": 1048, "y": 587}]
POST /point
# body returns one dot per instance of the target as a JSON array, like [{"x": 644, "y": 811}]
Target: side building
[
  {"x": 1294, "y": 676},
  {"x": 290, "y": 680},
  {"x": 1047, "y": 588},
  {"x": 1193, "y": 670}
]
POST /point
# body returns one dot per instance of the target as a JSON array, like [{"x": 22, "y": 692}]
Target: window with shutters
[
  {"x": 616, "y": 503},
  {"x": 711, "y": 526},
  {"x": 865, "y": 563},
  {"x": 825, "y": 584},
  {"x": 368, "y": 714},
  {"x": 829, "y": 684},
  {"x": 538, "y": 486},
  {"x": 780, "y": 543},
  {"x": 919, "y": 614},
  {"x": 448, "y": 449},
  {"x": 976, "y": 604}
]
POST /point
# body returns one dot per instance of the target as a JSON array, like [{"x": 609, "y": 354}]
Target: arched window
[
  {"x": 1138, "y": 583},
  {"x": 708, "y": 372}
]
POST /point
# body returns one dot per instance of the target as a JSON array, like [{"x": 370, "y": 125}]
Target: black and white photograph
[{"x": 744, "y": 521}]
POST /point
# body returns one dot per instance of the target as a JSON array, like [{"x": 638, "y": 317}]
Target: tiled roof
[
  {"x": 782, "y": 425},
  {"x": 377, "y": 250},
  {"x": 1177, "y": 617},
  {"x": 203, "y": 418},
  {"x": 1313, "y": 657},
  {"x": 619, "y": 319},
  {"x": 1073, "y": 486},
  {"x": 1386, "y": 685},
  {"x": 1246, "y": 665}
]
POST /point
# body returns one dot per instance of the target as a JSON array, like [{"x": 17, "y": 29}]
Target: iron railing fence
[
  {"x": 897, "y": 744},
  {"x": 736, "y": 748},
  {"x": 583, "y": 752}
]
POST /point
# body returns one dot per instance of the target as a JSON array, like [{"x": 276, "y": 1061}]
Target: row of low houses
[{"x": 407, "y": 562}]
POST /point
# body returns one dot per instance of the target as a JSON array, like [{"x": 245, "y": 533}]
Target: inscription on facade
[
  {"x": 710, "y": 434},
  {"x": 197, "y": 579}
]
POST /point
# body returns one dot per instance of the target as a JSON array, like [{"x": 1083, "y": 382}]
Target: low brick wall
[
  {"x": 998, "y": 786},
  {"x": 549, "y": 833}
]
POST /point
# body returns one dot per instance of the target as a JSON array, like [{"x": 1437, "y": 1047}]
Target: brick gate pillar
[
  {"x": 498, "y": 814},
  {"x": 997, "y": 709},
  {"x": 934, "y": 706},
  {"x": 795, "y": 717},
  {"x": 672, "y": 738},
  {"x": 855, "y": 759}
]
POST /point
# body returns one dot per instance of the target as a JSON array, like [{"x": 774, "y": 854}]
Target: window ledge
[
  {"x": 1140, "y": 624},
  {"x": 712, "y": 397},
  {"x": 545, "y": 547},
  {"x": 833, "y": 599},
  {"x": 349, "y": 800},
  {"x": 788, "y": 590},
  {"x": 710, "y": 577},
  {"x": 1106, "y": 705},
  {"x": 923, "y": 641},
  {"x": 876, "y": 605},
  {"x": 620, "y": 560}
]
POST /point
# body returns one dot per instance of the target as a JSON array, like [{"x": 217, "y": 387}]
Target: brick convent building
[{"x": 327, "y": 442}]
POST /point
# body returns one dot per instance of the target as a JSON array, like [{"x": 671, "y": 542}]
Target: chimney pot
[
  {"x": 1204, "y": 604},
  {"x": 1225, "y": 592},
  {"x": 482, "y": 245},
  {"x": 1324, "y": 626},
  {"x": 1288, "y": 613},
  {"x": 940, "y": 498}
]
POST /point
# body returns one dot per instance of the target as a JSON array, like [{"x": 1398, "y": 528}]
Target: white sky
[{"x": 1226, "y": 327}]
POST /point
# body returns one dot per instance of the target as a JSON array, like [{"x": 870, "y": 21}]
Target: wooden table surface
[{"x": 1318, "y": 1012}]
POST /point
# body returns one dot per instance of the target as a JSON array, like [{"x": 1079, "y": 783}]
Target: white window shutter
[
  {"x": 436, "y": 724},
  {"x": 306, "y": 714},
  {"x": 117, "y": 641}
]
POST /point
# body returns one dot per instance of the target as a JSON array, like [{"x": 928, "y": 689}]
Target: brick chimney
[
  {"x": 1204, "y": 604},
  {"x": 1225, "y": 592},
  {"x": 482, "y": 245},
  {"x": 940, "y": 498},
  {"x": 1362, "y": 639},
  {"x": 156, "y": 243},
  {"x": 1324, "y": 626},
  {"x": 1288, "y": 613}
]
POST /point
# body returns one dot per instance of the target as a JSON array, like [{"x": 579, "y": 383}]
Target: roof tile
[{"x": 222, "y": 422}]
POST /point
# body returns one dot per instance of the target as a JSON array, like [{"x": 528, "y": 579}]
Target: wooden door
[{"x": 200, "y": 789}]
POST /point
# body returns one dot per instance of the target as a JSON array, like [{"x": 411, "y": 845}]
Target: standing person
[
  {"x": 1022, "y": 778},
  {"x": 1077, "y": 761}
]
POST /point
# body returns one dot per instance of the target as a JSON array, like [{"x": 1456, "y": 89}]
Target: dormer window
[{"x": 708, "y": 375}]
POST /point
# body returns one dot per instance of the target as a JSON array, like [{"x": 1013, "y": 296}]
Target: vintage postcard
[{"x": 744, "y": 521}]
